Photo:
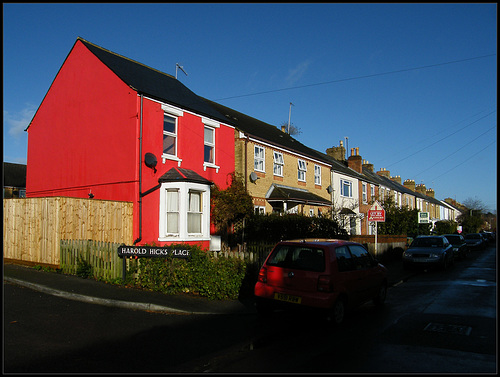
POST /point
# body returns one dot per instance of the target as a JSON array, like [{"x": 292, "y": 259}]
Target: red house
[{"x": 114, "y": 129}]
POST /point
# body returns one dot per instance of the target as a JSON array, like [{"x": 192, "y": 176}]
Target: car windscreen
[
  {"x": 298, "y": 257},
  {"x": 427, "y": 242},
  {"x": 472, "y": 237},
  {"x": 454, "y": 240}
]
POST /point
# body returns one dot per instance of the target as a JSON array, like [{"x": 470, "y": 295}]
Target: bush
[
  {"x": 83, "y": 268},
  {"x": 202, "y": 273},
  {"x": 275, "y": 227}
]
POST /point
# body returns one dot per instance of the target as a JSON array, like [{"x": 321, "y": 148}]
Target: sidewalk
[{"x": 97, "y": 292}]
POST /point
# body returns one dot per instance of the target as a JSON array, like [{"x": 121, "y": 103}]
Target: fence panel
[
  {"x": 33, "y": 227},
  {"x": 253, "y": 253},
  {"x": 101, "y": 256}
]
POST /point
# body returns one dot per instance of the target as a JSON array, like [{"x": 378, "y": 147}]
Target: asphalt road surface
[{"x": 436, "y": 322}]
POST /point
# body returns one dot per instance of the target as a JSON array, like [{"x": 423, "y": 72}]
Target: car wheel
[
  {"x": 381, "y": 296},
  {"x": 337, "y": 312}
]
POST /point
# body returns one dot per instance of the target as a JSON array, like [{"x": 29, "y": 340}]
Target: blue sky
[{"x": 413, "y": 86}]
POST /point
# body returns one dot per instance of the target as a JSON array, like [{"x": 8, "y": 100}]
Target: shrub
[
  {"x": 83, "y": 268},
  {"x": 202, "y": 273}
]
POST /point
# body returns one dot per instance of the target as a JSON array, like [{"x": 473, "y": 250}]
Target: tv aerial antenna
[{"x": 177, "y": 66}]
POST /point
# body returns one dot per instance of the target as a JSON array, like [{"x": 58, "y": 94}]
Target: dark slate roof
[
  {"x": 395, "y": 186},
  {"x": 183, "y": 175},
  {"x": 151, "y": 82},
  {"x": 14, "y": 175},
  {"x": 284, "y": 193},
  {"x": 265, "y": 132}
]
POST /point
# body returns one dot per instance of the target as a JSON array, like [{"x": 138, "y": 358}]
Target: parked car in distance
[
  {"x": 488, "y": 236},
  {"x": 333, "y": 276},
  {"x": 475, "y": 241},
  {"x": 460, "y": 248},
  {"x": 428, "y": 251}
]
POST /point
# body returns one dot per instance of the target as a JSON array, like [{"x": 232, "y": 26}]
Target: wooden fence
[
  {"x": 101, "y": 256},
  {"x": 33, "y": 227}
]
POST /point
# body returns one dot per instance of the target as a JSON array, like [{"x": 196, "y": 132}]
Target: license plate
[{"x": 287, "y": 298}]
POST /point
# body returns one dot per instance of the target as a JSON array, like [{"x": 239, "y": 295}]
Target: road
[{"x": 436, "y": 322}]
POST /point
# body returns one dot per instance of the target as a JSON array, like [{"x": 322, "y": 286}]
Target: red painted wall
[{"x": 85, "y": 138}]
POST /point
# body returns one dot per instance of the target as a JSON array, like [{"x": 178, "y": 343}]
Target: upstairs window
[
  {"x": 169, "y": 135},
  {"x": 209, "y": 147},
  {"x": 278, "y": 164},
  {"x": 346, "y": 188},
  {"x": 317, "y": 175},
  {"x": 259, "y": 160},
  {"x": 301, "y": 170},
  {"x": 364, "y": 192}
]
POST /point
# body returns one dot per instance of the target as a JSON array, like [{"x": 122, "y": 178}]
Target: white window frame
[
  {"x": 372, "y": 192},
  {"x": 317, "y": 175},
  {"x": 278, "y": 163},
  {"x": 211, "y": 125},
  {"x": 175, "y": 113},
  {"x": 345, "y": 183},
  {"x": 301, "y": 170},
  {"x": 261, "y": 210},
  {"x": 259, "y": 158},
  {"x": 184, "y": 188},
  {"x": 364, "y": 192}
]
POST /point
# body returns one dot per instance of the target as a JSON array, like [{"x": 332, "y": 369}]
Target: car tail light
[
  {"x": 262, "y": 275},
  {"x": 325, "y": 283}
]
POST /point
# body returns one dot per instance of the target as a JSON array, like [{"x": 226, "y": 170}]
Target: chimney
[
  {"x": 283, "y": 129},
  {"x": 430, "y": 193},
  {"x": 367, "y": 166},
  {"x": 337, "y": 153},
  {"x": 384, "y": 173},
  {"x": 409, "y": 184},
  {"x": 355, "y": 161},
  {"x": 420, "y": 188},
  {"x": 397, "y": 179}
]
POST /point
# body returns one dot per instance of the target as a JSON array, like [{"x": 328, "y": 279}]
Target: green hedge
[
  {"x": 276, "y": 227},
  {"x": 203, "y": 274}
]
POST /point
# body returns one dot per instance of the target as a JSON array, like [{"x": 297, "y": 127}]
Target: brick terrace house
[
  {"x": 111, "y": 128},
  {"x": 281, "y": 174}
]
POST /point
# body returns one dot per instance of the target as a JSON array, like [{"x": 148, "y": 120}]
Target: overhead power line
[
  {"x": 438, "y": 141},
  {"x": 357, "y": 77},
  {"x": 468, "y": 160}
]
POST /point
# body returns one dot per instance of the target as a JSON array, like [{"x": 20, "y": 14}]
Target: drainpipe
[
  {"x": 140, "y": 176},
  {"x": 246, "y": 156}
]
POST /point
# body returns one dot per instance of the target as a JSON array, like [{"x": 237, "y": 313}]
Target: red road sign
[{"x": 376, "y": 213}]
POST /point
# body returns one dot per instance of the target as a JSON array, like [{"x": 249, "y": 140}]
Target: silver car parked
[{"x": 426, "y": 251}]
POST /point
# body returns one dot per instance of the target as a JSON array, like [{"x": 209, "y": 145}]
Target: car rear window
[
  {"x": 298, "y": 257},
  {"x": 427, "y": 242}
]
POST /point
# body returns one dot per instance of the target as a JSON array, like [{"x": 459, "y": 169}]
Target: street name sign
[{"x": 153, "y": 252}]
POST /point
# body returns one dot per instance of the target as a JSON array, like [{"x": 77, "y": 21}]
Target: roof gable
[{"x": 151, "y": 82}]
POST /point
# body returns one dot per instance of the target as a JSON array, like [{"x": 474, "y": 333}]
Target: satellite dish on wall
[
  {"x": 253, "y": 177},
  {"x": 150, "y": 161},
  {"x": 329, "y": 189}
]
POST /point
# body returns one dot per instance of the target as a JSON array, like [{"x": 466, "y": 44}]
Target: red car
[{"x": 331, "y": 275}]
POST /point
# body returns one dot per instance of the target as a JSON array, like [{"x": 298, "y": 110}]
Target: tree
[
  {"x": 292, "y": 130},
  {"x": 401, "y": 220},
  {"x": 230, "y": 205},
  {"x": 445, "y": 227},
  {"x": 471, "y": 219}
]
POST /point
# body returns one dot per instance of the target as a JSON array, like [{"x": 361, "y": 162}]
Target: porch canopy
[{"x": 293, "y": 196}]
